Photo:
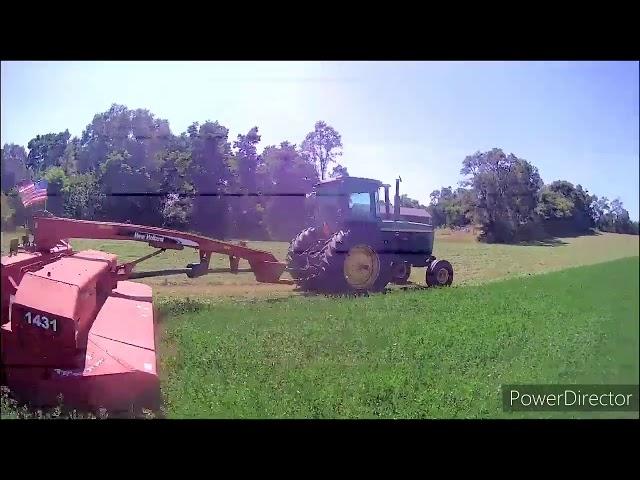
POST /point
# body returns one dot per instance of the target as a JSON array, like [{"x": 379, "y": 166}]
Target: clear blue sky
[{"x": 576, "y": 121}]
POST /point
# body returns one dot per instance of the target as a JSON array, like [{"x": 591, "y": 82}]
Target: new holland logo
[{"x": 148, "y": 237}]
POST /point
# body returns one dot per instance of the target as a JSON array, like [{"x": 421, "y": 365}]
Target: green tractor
[{"x": 358, "y": 245}]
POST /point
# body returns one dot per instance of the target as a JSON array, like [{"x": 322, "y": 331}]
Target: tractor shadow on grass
[
  {"x": 388, "y": 289},
  {"x": 327, "y": 294},
  {"x": 408, "y": 286}
]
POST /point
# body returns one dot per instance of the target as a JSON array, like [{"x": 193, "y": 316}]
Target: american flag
[{"x": 32, "y": 193}]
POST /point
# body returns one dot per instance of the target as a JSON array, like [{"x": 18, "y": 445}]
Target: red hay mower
[{"x": 73, "y": 324}]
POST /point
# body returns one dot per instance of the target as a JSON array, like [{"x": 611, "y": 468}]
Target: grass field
[
  {"x": 415, "y": 354},
  {"x": 419, "y": 354}
]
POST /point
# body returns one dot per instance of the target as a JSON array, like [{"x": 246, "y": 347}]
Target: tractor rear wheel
[
  {"x": 297, "y": 256},
  {"x": 351, "y": 262},
  {"x": 439, "y": 274},
  {"x": 400, "y": 272}
]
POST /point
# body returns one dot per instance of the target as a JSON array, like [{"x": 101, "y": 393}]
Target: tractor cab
[
  {"x": 345, "y": 200},
  {"x": 339, "y": 202}
]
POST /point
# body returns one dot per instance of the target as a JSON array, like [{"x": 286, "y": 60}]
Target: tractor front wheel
[{"x": 439, "y": 274}]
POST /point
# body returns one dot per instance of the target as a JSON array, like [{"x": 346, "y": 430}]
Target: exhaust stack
[
  {"x": 396, "y": 201},
  {"x": 386, "y": 201}
]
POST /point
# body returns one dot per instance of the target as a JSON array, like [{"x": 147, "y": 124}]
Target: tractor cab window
[{"x": 360, "y": 205}]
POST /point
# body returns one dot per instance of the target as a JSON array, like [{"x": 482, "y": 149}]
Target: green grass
[
  {"x": 416, "y": 354},
  {"x": 420, "y": 354}
]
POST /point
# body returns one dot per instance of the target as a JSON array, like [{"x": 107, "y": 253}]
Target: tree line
[
  {"x": 506, "y": 198},
  {"x": 127, "y": 166}
]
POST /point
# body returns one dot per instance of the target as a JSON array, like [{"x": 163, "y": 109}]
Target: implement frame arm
[{"x": 49, "y": 232}]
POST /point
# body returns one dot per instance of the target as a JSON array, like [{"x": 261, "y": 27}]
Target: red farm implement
[{"x": 74, "y": 324}]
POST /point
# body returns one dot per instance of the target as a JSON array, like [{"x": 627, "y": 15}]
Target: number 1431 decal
[{"x": 41, "y": 321}]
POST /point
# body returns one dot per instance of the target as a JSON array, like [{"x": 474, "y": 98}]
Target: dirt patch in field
[{"x": 464, "y": 235}]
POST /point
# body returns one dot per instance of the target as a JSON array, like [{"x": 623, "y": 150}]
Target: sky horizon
[{"x": 575, "y": 121}]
